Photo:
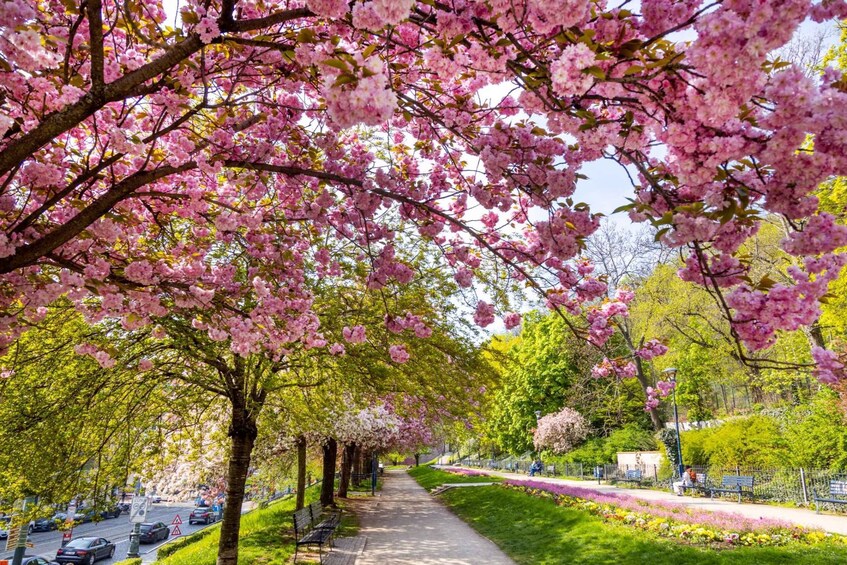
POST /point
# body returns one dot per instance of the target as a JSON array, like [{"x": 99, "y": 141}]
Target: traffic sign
[
  {"x": 138, "y": 509},
  {"x": 14, "y": 537},
  {"x": 176, "y": 531},
  {"x": 176, "y": 521}
]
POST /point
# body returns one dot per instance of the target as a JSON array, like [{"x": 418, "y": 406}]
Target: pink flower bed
[{"x": 677, "y": 512}]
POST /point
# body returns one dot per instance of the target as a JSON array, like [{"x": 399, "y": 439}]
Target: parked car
[
  {"x": 156, "y": 498},
  {"x": 44, "y": 524},
  {"x": 4, "y": 526},
  {"x": 36, "y": 560},
  {"x": 202, "y": 515},
  {"x": 112, "y": 512},
  {"x": 85, "y": 551},
  {"x": 151, "y": 532}
]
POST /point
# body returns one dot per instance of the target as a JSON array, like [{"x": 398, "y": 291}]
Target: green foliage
[
  {"x": 600, "y": 451},
  {"x": 817, "y": 436},
  {"x": 813, "y": 436},
  {"x": 546, "y": 369},
  {"x": 536, "y": 531},
  {"x": 133, "y": 561},
  {"x": 754, "y": 441},
  {"x": 265, "y": 537}
]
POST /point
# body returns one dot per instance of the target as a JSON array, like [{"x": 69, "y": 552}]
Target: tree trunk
[
  {"x": 330, "y": 450},
  {"x": 346, "y": 469},
  {"x": 417, "y": 459},
  {"x": 242, "y": 434},
  {"x": 357, "y": 461},
  {"x": 301, "y": 472}
]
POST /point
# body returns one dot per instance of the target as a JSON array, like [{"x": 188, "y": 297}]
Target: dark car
[
  {"x": 202, "y": 515},
  {"x": 152, "y": 532},
  {"x": 85, "y": 551},
  {"x": 4, "y": 526},
  {"x": 112, "y": 512},
  {"x": 44, "y": 525},
  {"x": 35, "y": 560}
]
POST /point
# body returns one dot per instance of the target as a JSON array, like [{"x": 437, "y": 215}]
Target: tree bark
[
  {"x": 330, "y": 450},
  {"x": 242, "y": 434},
  {"x": 417, "y": 459},
  {"x": 301, "y": 473},
  {"x": 346, "y": 469}
]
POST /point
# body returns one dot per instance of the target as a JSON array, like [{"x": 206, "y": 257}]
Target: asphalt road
[{"x": 115, "y": 530}]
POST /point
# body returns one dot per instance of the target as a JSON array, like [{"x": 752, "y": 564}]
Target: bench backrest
[
  {"x": 838, "y": 487},
  {"x": 633, "y": 473},
  {"x": 551, "y": 469},
  {"x": 316, "y": 509},
  {"x": 701, "y": 478},
  {"x": 302, "y": 521},
  {"x": 737, "y": 481}
]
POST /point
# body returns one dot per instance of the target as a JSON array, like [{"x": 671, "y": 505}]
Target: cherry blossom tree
[
  {"x": 560, "y": 432},
  {"x": 132, "y": 148},
  {"x": 222, "y": 161}
]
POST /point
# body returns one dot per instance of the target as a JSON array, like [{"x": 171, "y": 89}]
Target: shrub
[
  {"x": 561, "y": 431},
  {"x": 599, "y": 451},
  {"x": 133, "y": 561}
]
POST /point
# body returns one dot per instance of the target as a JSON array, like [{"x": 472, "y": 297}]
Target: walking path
[
  {"x": 405, "y": 524},
  {"x": 801, "y": 516}
]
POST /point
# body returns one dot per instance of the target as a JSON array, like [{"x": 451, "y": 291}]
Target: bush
[
  {"x": 133, "y": 561},
  {"x": 599, "y": 451}
]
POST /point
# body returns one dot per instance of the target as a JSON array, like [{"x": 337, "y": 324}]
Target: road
[{"x": 115, "y": 530}]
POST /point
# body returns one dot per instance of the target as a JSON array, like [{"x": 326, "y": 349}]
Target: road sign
[
  {"x": 138, "y": 509},
  {"x": 176, "y": 521},
  {"x": 176, "y": 531},
  {"x": 14, "y": 537}
]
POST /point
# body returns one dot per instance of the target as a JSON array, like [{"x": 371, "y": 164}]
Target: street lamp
[{"x": 670, "y": 372}]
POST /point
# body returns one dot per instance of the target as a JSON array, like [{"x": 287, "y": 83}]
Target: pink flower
[
  {"x": 356, "y": 334},
  {"x": 337, "y": 349},
  {"x": 484, "y": 314},
  {"x": 398, "y": 353},
  {"x": 511, "y": 320}
]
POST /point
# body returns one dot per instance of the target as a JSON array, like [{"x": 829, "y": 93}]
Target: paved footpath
[
  {"x": 800, "y": 516},
  {"x": 408, "y": 525}
]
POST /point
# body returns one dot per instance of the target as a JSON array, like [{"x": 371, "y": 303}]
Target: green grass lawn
[
  {"x": 430, "y": 478},
  {"x": 534, "y": 530},
  {"x": 266, "y": 537}
]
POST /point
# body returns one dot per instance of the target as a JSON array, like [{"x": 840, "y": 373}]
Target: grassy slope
[
  {"x": 430, "y": 478},
  {"x": 266, "y": 537},
  {"x": 533, "y": 530}
]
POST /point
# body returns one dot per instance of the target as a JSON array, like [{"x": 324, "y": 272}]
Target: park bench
[
  {"x": 630, "y": 476},
  {"x": 735, "y": 484},
  {"x": 322, "y": 518},
  {"x": 550, "y": 470},
  {"x": 309, "y": 530},
  {"x": 700, "y": 486},
  {"x": 837, "y": 494}
]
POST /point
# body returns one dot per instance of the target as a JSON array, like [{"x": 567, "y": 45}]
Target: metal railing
[{"x": 780, "y": 485}]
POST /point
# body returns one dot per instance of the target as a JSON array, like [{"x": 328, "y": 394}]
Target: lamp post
[{"x": 670, "y": 372}]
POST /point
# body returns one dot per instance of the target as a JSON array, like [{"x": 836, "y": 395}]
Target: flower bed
[
  {"x": 675, "y": 520},
  {"x": 466, "y": 472}
]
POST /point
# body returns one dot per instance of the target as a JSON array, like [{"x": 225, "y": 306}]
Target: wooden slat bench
[
  {"x": 837, "y": 494},
  {"x": 735, "y": 484},
  {"x": 309, "y": 530}
]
